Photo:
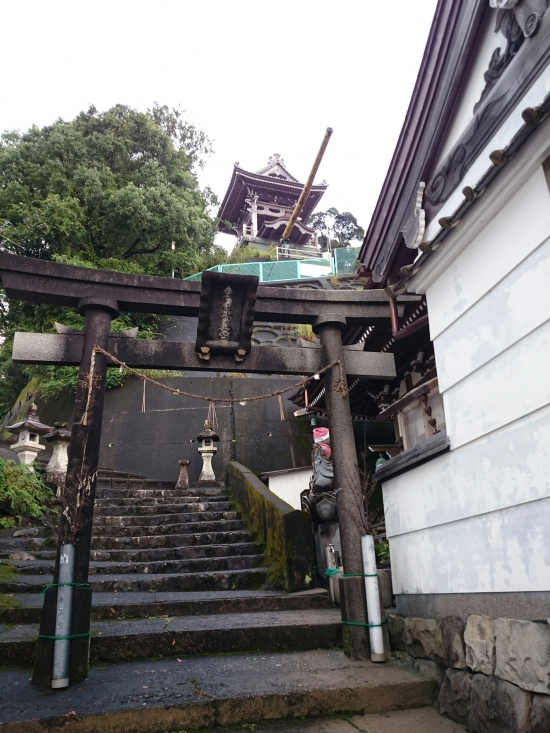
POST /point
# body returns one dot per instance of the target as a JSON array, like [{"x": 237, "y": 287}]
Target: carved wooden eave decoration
[
  {"x": 415, "y": 226},
  {"x": 517, "y": 64},
  {"x": 226, "y": 314},
  {"x": 451, "y": 46}
]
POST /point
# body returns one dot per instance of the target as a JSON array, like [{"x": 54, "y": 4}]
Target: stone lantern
[
  {"x": 207, "y": 450},
  {"x": 59, "y": 438},
  {"x": 27, "y": 445}
]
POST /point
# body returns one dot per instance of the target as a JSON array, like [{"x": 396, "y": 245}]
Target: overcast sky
[{"x": 258, "y": 77}]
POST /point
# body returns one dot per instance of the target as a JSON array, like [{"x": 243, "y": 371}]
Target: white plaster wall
[
  {"x": 289, "y": 486},
  {"x": 476, "y": 519}
]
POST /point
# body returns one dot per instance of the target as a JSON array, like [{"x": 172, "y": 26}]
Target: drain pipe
[
  {"x": 374, "y": 612},
  {"x": 62, "y": 644}
]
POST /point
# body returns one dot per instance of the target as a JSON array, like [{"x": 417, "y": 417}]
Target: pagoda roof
[{"x": 271, "y": 180}]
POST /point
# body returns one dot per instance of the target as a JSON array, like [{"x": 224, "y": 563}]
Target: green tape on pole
[
  {"x": 361, "y": 623},
  {"x": 64, "y": 638},
  {"x": 331, "y": 571}
]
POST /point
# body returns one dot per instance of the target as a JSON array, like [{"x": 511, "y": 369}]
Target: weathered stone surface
[
  {"x": 384, "y": 585},
  {"x": 540, "y": 714},
  {"x": 419, "y": 637},
  {"x": 449, "y": 642},
  {"x": 523, "y": 654},
  {"x": 28, "y": 532},
  {"x": 396, "y": 631},
  {"x": 479, "y": 639},
  {"x": 454, "y": 695},
  {"x": 21, "y": 556},
  {"x": 497, "y": 706},
  {"x": 430, "y": 669}
]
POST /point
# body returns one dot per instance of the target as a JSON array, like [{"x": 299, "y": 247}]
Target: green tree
[
  {"x": 342, "y": 228},
  {"x": 116, "y": 190}
]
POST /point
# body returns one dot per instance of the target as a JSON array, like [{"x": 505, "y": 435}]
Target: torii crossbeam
[{"x": 99, "y": 295}]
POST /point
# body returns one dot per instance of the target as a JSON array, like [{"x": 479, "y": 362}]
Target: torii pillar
[
  {"x": 329, "y": 327},
  {"x": 76, "y": 521}
]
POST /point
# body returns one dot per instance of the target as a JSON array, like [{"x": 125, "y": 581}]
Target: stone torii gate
[{"x": 226, "y": 307}]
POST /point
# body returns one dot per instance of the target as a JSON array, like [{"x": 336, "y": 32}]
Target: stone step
[
  {"x": 168, "y": 529},
  {"x": 121, "y": 640},
  {"x": 211, "y": 691},
  {"x": 189, "y": 552},
  {"x": 109, "y": 473},
  {"x": 108, "y": 508},
  {"x": 27, "y": 607},
  {"x": 164, "y": 541},
  {"x": 145, "y": 494},
  {"x": 178, "y": 553},
  {"x": 197, "y": 565},
  {"x": 134, "y": 483},
  {"x": 171, "y": 517},
  {"x": 248, "y": 579},
  {"x": 21, "y": 544}
]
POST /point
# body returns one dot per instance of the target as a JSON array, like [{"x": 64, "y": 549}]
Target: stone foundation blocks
[
  {"x": 479, "y": 639},
  {"x": 523, "y": 654},
  {"x": 419, "y": 637},
  {"x": 449, "y": 642},
  {"x": 497, "y": 706},
  {"x": 454, "y": 695},
  {"x": 540, "y": 714}
]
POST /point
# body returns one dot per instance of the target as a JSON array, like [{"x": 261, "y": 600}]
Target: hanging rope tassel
[
  {"x": 281, "y": 411},
  {"x": 90, "y": 381}
]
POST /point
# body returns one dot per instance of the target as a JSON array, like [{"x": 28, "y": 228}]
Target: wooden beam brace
[{"x": 66, "y": 350}]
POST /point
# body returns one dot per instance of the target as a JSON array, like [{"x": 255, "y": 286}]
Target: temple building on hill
[{"x": 257, "y": 207}]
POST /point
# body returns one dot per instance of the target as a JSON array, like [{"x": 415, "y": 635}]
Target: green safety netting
[{"x": 345, "y": 260}]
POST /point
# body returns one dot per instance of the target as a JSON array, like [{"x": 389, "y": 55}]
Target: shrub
[{"x": 21, "y": 492}]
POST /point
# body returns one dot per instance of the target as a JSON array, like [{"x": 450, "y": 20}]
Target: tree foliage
[
  {"x": 115, "y": 190},
  {"x": 341, "y": 228}
]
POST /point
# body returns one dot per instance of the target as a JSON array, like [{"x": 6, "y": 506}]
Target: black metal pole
[
  {"x": 78, "y": 500},
  {"x": 347, "y": 479}
]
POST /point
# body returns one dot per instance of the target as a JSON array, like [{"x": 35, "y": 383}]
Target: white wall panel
[
  {"x": 515, "y": 307},
  {"x": 504, "y": 551},
  {"x": 502, "y": 245},
  {"x": 511, "y": 466},
  {"x": 512, "y": 385}
]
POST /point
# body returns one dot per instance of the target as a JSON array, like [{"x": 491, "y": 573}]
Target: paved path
[{"x": 421, "y": 720}]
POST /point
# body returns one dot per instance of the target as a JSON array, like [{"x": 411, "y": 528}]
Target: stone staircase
[
  {"x": 172, "y": 571},
  {"x": 186, "y": 631}
]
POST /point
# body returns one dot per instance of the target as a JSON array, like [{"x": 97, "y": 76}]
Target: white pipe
[
  {"x": 374, "y": 612},
  {"x": 62, "y": 647}
]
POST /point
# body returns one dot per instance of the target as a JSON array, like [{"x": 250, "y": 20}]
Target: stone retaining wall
[{"x": 494, "y": 674}]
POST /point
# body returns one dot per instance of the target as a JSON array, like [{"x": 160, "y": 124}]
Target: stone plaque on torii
[{"x": 226, "y": 307}]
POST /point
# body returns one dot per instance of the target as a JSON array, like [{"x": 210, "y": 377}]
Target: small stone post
[
  {"x": 346, "y": 478},
  {"x": 183, "y": 478}
]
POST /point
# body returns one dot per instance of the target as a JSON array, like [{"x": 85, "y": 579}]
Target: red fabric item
[{"x": 320, "y": 434}]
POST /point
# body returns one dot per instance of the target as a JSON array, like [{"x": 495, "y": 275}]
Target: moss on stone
[{"x": 286, "y": 532}]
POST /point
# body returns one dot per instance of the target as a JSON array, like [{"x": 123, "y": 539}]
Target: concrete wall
[
  {"x": 475, "y": 520},
  {"x": 289, "y": 486}
]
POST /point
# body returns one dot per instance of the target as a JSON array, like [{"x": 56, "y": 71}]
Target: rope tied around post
[{"x": 339, "y": 386}]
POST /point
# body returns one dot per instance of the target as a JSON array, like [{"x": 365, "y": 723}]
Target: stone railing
[
  {"x": 494, "y": 674},
  {"x": 286, "y": 532}
]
